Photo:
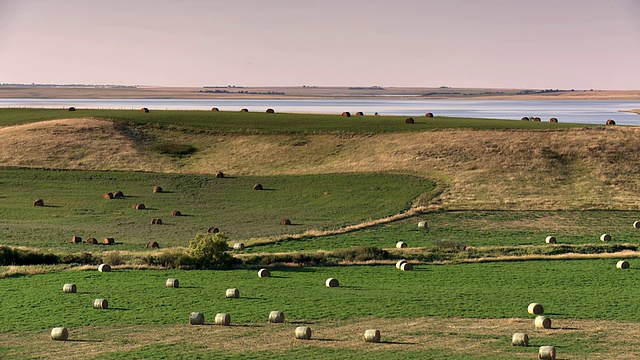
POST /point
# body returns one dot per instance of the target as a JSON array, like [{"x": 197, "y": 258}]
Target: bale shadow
[
  {"x": 52, "y": 206},
  {"x": 84, "y": 340},
  {"x": 397, "y": 343},
  {"x": 247, "y": 325},
  {"x": 189, "y": 287},
  {"x": 118, "y": 309},
  {"x": 297, "y": 322},
  {"x": 327, "y": 339}
]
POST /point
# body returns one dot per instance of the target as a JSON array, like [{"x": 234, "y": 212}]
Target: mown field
[{"x": 486, "y": 188}]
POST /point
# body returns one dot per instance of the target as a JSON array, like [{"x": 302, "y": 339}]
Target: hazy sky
[{"x": 564, "y": 44}]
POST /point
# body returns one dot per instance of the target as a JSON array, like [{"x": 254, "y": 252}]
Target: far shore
[{"x": 635, "y": 111}]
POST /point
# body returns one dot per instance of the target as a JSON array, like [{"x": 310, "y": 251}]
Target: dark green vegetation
[
  {"x": 260, "y": 123},
  {"x": 74, "y": 206}
]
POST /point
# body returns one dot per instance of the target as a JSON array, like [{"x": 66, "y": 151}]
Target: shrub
[
  {"x": 209, "y": 251},
  {"x": 361, "y": 253}
]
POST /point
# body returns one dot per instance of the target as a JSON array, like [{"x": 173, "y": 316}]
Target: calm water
[{"x": 576, "y": 111}]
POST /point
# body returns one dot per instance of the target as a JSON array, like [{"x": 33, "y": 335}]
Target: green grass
[
  {"x": 577, "y": 289},
  {"x": 74, "y": 205},
  {"x": 261, "y": 123}
]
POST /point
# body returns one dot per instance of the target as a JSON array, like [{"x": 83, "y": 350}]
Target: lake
[{"x": 575, "y": 111}]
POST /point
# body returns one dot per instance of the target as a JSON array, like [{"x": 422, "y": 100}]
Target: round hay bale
[
  {"x": 157, "y": 189},
  {"x": 196, "y": 318},
  {"x": 172, "y": 283},
  {"x": 303, "y": 333},
  {"x": 176, "y": 213},
  {"x": 108, "y": 196},
  {"x": 72, "y": 108},
  {"x": 213, "y": 230},
  {"x": 153, "y": 245},
  {"x": 76, "y": 239},
  {"x": 636, "y": 224},
  {"x": 535, "y": 309},
  {"x": 422, "y": 225},
  {"x": 144, "y": 110},
  {"x": 537, "y": 119},
  {"x": 400, "y": 262},
  {"x": 244, "y": 110},
  {"x": 104, "y": 268},
  {"x": 69, "y": 288},
  {"x": 140, "y": 207},
  {"x": 610, "y": 122},
  {"x": 331, "y": 282},
  {"x": 622, "y": 264},
  {"x": 92, "y": 241},
  {"x": 219, "y": 174},
  {"x": 406, "y": 267},
  {"x": 409, "y": 121},
  {"x": 264, "y": 273},
  {"x": 372, "y": 335},
  {"x": 401, "y": 245},
  {"x": 100, "y": 304},
  {"x": 605, "y": 237},
  {"x": 550, "y": 240},
  {"x": 238, "y": 246},
  {"x": 553, "y": 120},
  {"x": 359, "y": 113},
  {"x": 547, "y": 352},
  {"x": 154, "y": 221},
  {"x": 108, "y": 241},
  {"x": 38, "y": 202},
  {"x": 284, "y": 221},
  {"x": 346, "y": 114},
  {"x": 525, "y": 118},
  {"x": 520, "y": 339},
  {"x": 232, "y": 294},
  {"x": 59, "y": 334},
  {"x": 257, "y": 187},
  {"x": 215, "y": 109},
  {"x": 158, "y": 221},
  {"x": 271, "y": 111},
  {"x": 276, "y": 317},
  {"x": 542, "y": 322},
  {"x": 118, "y": 195},
  {"x": 222, "y": 319},
  {"x": 428, "y": 114}
]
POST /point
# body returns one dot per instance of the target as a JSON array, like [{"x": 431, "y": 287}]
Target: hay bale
[
  {"x": 71, "y": 108},
  {"x": 359, "y": 113},
  {"x": 118, "y": 195},
  {"x": 196, "y": 318},
  {"x": 154, "y": 221},
  {"x": 331, "y": 282},
  {"x": 622, "y": 264},
  {"x": 213, "y": 230},
  {"x": 610, "y": 122},
  {"x": 372, "y": 335},
  {"x": 271, "y": 111},
  {"x": 257, "y": 187},
  {"x": 38, "y": 202},
  {"x": 69, "y": 288},
  {"x": 108, "y": 241},
  {"x": 553, "y": 120},
  {"x": 108, "y": 196},
  {"x": 172, "y": 283},
  {"x": 104, "y": 268},
  {"x": 535, "y": 309},
  {"x": 406, "y": 267},
  {"x": 232, "y": 294},
  {"x": 244, "y": 110},
  {"x": 605, "y": 237},
  {"x": 520, "y": 339},
  {"x": 176, "y": 213},
  {"x": 399, "y": 263},
  {"x": 542, "y": 322},
  {"x": 550, "y": 240},
  {"x": 525, "y": 118},
  {"x": 346, "y": 114},
  {"x": 401, "y": 245},
  {"x": 636, "y": 224},
  {"x": 219, "y": 174},
  {"x": 537, "y": 119},
  {"x": 303, "y": 333},
  {"x": 76, "y": 239},
  {"x": 153, "y": 245},
  {"x": 409, "y": 121},
  {"x": 59, "y": 334},
  {"x": 430, "y": 115},
  {"x": 100, "y": 304},
  {"x": 92, "y": 241},
  {"x": 140, "y": 207},
  {"x": 215, "y": 109},
  {"x": 238, "y": 246},
  {"x": 222, "y": 319},
  {"x": 264, "y": 273},
  {"x": 284, "y": 221},
  {"x": 276, "y": 317},
  {"x": 422, "y": 225},
  {"x": 547, "y": 352},
  {"x": 144, "y": 110},
  {"x": 157, "y": 189}
]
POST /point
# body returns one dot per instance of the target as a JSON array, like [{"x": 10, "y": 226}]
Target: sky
[{"x": 541, "y": 44}]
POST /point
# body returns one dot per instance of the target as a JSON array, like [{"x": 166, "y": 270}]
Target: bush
[
  {"x": 209, "y": 251},
  {"x": 15, "y": 256},
  {"x": 172, "y": 259},
  {"x": 361, "y": 253}
]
